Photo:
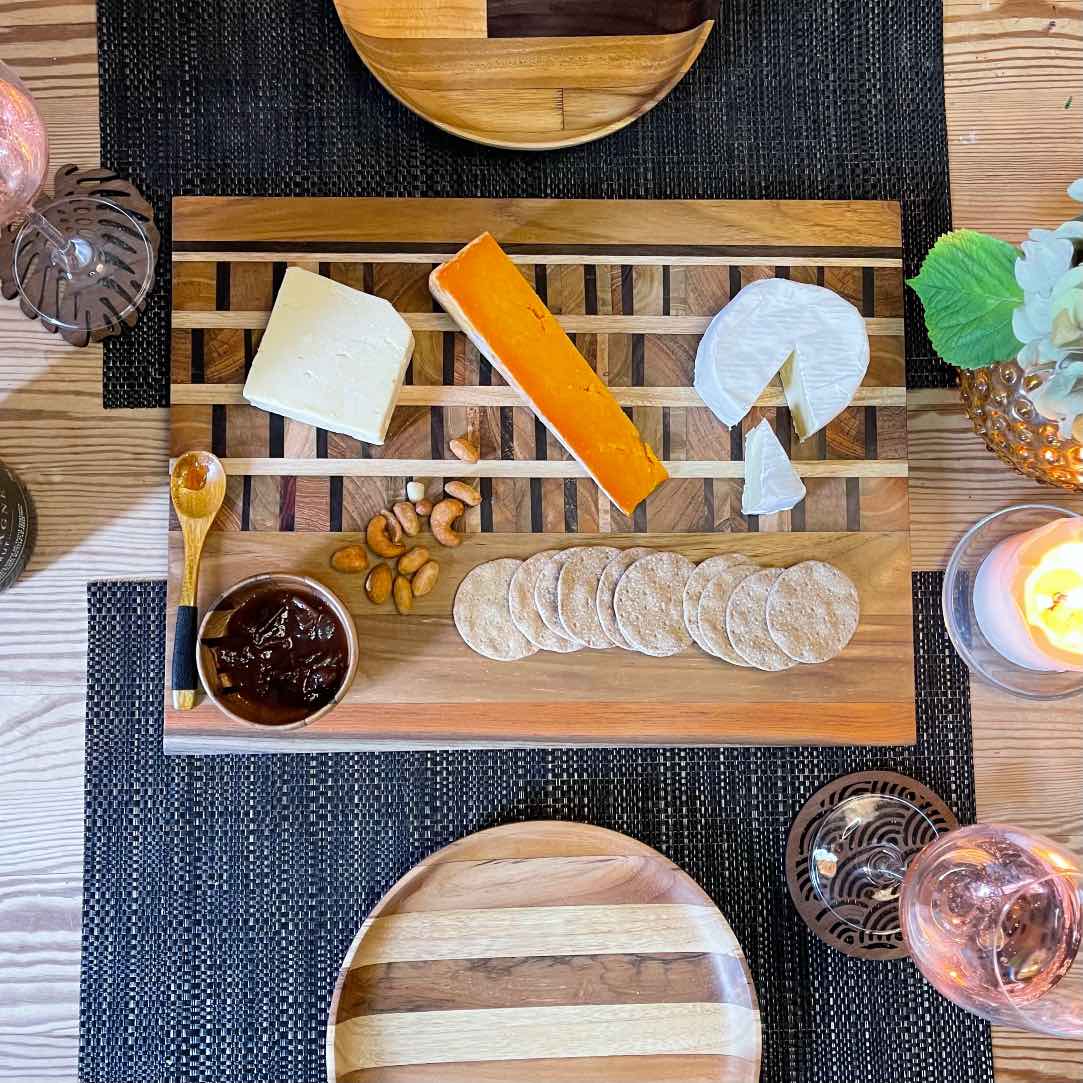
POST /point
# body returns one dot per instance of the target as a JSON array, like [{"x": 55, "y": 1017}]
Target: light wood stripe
[
  {"x": 503, "y": 395},
  {"x": 572, "y": 323},
  {"x": 537, "y": 468},
  {"x": 531, "y": 931},
  {"x": 618, "y": 259},
  {"x": 567, "y": 1031}
]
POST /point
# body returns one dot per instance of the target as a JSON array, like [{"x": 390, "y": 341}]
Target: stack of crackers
[{"x": 657, "y": 603}]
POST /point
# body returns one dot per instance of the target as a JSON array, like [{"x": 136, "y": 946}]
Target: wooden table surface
[{"x": 1015, "y": 119}]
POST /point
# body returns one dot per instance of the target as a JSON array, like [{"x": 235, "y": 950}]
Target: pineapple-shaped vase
[{"x": 997, "y": 401}]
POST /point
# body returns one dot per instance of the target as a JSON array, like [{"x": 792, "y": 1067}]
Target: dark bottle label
[{"x": 16, "y": 527}]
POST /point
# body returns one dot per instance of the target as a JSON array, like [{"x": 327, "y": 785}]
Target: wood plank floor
[{"x": 1015, "y": 143}]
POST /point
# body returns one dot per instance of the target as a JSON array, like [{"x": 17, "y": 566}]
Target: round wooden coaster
[
  {"x": 529, "y": 74},
  {"x": 575, "y": 952},
  {"x": 913, "y": 833},
  {"x": 72, "y": 183}
]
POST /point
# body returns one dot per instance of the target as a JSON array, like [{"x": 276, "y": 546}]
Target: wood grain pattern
[
  {"x": 500, "y": 72},
  {"x": 647, "y": 969},
  {"x": 50, "y": 405}
]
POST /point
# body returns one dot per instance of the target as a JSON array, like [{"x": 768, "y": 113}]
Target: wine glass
[
  {"x": 82, "y": 264},
  {"x": 992, "y": 915}
]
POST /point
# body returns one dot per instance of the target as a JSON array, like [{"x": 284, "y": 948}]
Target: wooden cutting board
[
  {"x": 635, "y": 283},
  {"x": 529, "y": 74},
  {"x": 544, "y": 953}
]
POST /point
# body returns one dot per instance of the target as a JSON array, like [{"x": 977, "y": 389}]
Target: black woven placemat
[
  {"x": 839, "y": 99},
  {"x": 221, "y": 893}
]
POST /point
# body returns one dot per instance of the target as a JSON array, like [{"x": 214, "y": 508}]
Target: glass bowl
[{"x": 959, "y": 616}]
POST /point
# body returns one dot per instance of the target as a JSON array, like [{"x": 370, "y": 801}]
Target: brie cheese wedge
[
  {"x": 331, "y": 356},
  {"x": 771, "y": 483},
  {"x": 815, "y": 337}
]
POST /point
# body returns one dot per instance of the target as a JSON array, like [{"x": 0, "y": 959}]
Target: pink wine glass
[
  {"x": 81, "y": 263},
  {"x": 991, "y": 915}
]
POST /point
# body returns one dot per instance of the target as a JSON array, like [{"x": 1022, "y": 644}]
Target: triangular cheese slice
[
  {"x": 815, "y": 337},
  {"x": 771, "y": 483}
]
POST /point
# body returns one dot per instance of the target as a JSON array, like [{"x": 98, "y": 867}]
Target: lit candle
[{"x": 1028, "y": 597}]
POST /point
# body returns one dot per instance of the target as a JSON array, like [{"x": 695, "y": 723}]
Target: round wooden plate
[
  {"x": 528, "y": 74},
  {"x": 576, "y": 953}
]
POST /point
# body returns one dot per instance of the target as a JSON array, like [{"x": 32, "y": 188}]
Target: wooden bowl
[
  {"x": 214, "y": 621},
  {"x": 529, "y": 74}
]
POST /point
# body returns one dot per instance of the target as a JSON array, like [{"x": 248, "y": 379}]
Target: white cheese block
[
  {"x": 331, "y": 356},
  {"x": 815, "y": 337},
  {"x": 771, "y": 483}
]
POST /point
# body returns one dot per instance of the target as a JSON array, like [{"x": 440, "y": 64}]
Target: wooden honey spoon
[{"x": 197, "y": 487}]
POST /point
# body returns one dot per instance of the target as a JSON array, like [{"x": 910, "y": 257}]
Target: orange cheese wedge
[{"x": 481, "y": 289}]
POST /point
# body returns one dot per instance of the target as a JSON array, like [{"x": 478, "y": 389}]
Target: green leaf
[{"x": 967, "y": 285}]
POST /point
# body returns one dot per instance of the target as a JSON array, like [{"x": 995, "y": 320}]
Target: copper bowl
[{"x": 218, "y": 613}]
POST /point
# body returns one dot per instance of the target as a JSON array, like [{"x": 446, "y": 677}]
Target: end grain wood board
[
  {"x": 544, "y": 953},
  {"x": 528, "y": 74},
  {"x": 636, "y": 309}
]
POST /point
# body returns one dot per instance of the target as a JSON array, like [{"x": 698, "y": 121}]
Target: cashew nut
[
  {"x": 464, "y": 492},
  {"x": 404, "y": 512},
  {"x": 380, "y": 539},
  {"x": 440, "y": 521},
  {"x": 415, "y": 491},
  {"x": 425, "y": 578},
  {"x": 464, "y": 448},
  {"x": 424, "y": 508},
  {"x": 411, "y": 561},
  {"x": 378, "y": 584},
  {"x": 350, "y": 558},
  {"x": 404, "y": 595}
]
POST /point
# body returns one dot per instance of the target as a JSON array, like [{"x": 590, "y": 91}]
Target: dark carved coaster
[
  {"x": 911, "y": 834},
  {"x": 92, "y": 306}
]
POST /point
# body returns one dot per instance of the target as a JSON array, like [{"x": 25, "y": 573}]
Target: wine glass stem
[
  {"x": 887, "y": 866},
  {"x": 63, "y": 250}
]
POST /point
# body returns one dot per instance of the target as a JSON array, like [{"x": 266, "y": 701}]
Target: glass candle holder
[{"x": 962, "y": 617}]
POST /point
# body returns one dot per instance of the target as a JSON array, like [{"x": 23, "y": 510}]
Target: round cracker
[
  {"x": 649, "y": 604},
  {"x": 746, "y": 622},
  {"x": 524, "y": 611},
  {"x": 545, "y": 592},
  {"x": 577, "y": 593},
  {"x": 705, "y": 571},
  {"x": 711, "y": 612},
  {"x": 607, "y": 586},
  {"x": 813, "y": 611},
  {"x": 483, "y": 616}
]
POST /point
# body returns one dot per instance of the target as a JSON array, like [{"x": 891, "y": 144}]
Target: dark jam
[{"x": 282, "y": 657}]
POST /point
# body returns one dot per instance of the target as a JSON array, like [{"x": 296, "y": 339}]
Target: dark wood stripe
[
  {"x": 249, "y": 351},
  {"x": 541, "y": 282},
  {"x": 325, "y": 269},
  {"x": 276, "y": 436},
  {"x": 782, "y": 272},
  {"x": 666, "y": 287},
  {"x": 279, "y": 271},
  {"x": 871, "y": 449},
  {"x": 590, "y": 289},
  {"x": 485, "y": 487},
  {"x": 287, "y": 503},
  {"x": 246, "y": 503},
  {"x": 868, "y": 291},
  {"x": 335, "y": 506},
  {"x": 797, "y": 517},
  {"x": 784, "y": 428},
  {"x": 507, "y": 432},
  {"x": 221, "y": 286},
  {"x": 627, "y": 290},
  {"x": 542, "y": 981},
  {"x": 198, "y": 371},
  {"x": 853, "y": 503},
  {"x": 769, "y": 252},
  {"x": 571, "y": 506},
  {"x": 541, "y": 452},
  {"x": 321, "y": 443},
  {"x": 368, "y": 279},
  {"x": 218, "y": 431},
  {"x": 576, "y": 19},
  {"x": 820, "y": 276},
  {"x": 666, "y": 434},
  {"x": 661, "y": 1068},
  {"x": 735, "y": 281},
  {"x": 708, "y": 504}
]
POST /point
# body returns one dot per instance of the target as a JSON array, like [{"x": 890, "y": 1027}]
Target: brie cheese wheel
[
  {"x": 331, "y": 356},
  {"x": 815, "y": 337},
  {"x": 771, "y": 483}
]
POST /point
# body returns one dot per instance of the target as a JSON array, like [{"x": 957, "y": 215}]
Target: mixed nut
[{"x": 390, "y": 532}]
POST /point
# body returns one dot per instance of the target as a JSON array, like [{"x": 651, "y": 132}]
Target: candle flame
[{"x": 1053, "y": 597}]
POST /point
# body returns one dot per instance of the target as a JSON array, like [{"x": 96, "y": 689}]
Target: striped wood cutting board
[
  {"x": 635, "y": 283},
  {"x": 544, "y": 953}
]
